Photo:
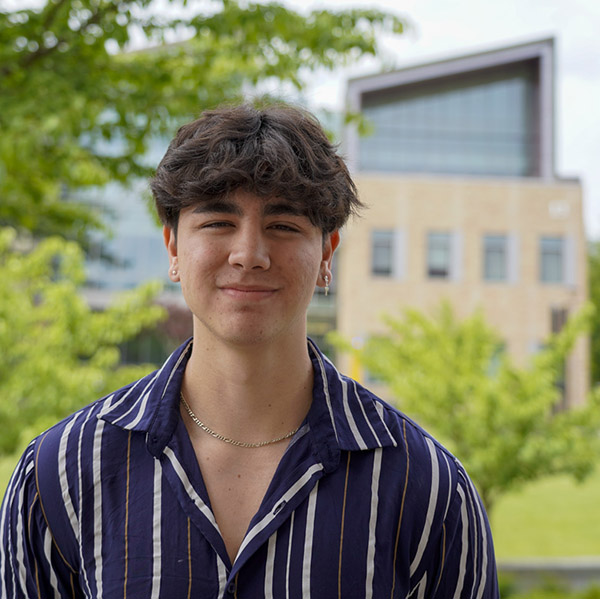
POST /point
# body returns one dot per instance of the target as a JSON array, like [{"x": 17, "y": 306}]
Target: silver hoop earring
[{"x": 326, "y": 279}]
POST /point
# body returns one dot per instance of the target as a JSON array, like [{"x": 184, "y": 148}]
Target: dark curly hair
[{"x": 275, "y": 151}]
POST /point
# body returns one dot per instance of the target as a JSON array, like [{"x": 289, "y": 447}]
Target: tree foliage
[
  {"x": 501, "y": 420},
  {"x": 594, "y": 293},
  {"x": 57, "y": 354},
  {"x": 78, "y": 109}
]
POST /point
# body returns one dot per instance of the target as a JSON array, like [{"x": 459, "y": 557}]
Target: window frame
[
  {"x": 444, "y": 273},
  {"x": 552, "y": 273},
  {"x": 488, "y": 275},
  {"x": 383, "y": 240}
]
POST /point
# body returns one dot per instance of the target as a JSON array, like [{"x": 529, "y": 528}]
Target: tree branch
[{"x": 43, "y": 51}]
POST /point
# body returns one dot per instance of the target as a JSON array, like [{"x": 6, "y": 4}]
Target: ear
[
  {"x": 170, "y": 239},
  {"x": 330, "y": 243}
]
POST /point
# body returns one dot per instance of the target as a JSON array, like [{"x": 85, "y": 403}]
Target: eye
[
  {"x": 284, "y": 227},
  {"x": 216, "y": 225}
]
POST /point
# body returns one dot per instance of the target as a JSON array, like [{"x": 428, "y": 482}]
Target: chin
[{"x": 246, "y": 332}]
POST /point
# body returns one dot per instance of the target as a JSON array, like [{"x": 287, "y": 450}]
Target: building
[{"x": 464, "y": 204}]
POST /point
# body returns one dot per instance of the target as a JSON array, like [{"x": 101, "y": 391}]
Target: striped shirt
[{"x": 364, "y": 504}]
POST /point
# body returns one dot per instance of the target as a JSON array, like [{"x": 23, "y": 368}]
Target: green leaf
[
  {"x": 501, "y": 420},
  {"x": 58, "y": 354},
  {"x": 78, "y": 109}
]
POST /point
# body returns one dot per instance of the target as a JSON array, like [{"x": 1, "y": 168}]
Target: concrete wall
[
  {"x": 519, "y": 308},
  {"x": 570, "y": 573}
]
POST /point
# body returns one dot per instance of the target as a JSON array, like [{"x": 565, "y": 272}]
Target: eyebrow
[
  {"x": 283, "y": 208},
  {"x": 270, "y": 208},
  {"x": 221, "y": 206}
]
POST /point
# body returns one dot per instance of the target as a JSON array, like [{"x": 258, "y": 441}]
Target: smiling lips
[{"x": 248, "y": 292}]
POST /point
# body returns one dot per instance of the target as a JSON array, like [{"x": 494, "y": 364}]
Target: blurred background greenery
[{"x": 79, "y": 110}]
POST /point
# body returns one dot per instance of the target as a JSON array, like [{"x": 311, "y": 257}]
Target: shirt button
[
  {"x": 231, "y": 588},
  {"x": 279, "y": 507}
]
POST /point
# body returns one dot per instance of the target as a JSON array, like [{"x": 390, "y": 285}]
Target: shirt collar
[
  {"x": 344, "y": 416},
  {"x": 151, "y": 405},
  {"x": 356, "y": 418}
]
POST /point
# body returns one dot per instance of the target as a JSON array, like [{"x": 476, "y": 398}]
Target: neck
[{"x": 249, "y": 393}]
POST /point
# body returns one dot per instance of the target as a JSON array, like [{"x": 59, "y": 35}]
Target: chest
[
  {"x": 153, "y": 531},
  {"x": 236, "y": 480},
  {"x": 317, "y": 538}
]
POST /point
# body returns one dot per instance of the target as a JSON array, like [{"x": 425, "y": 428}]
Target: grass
[{"x": 554, "y": 517}]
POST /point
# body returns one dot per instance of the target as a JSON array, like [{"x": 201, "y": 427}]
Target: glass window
[
  {"x": 480, "y": 125},
  {"x": 552, "y": 251},
  {"x": 135, "y": 252},
  {"x": 558, "y": 319},
  {"x": 495, "y": 257},
  {"x": 439, "y": 256},
  {"x": 382, "y": 253}
]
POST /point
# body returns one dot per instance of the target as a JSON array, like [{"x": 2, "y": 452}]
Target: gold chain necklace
[{"x": 216, "y": 435}]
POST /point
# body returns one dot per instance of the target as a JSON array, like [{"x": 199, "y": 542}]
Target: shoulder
[
  {"x": 363, "y": 421},
  {"x": 70, "y": 444},
  {"x": 445, "y": 519},
  {"x": 432, "y": 474},
  {"x": 65, "y": 459},
  {"x": 22, "y": 481},
  {"x": 77, "y": 423},
  {"x": 408, "y": 437},
  {"x": 103, "y": 425}
]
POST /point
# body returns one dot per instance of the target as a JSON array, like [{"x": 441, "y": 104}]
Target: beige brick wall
[{"x": 520, "y": 310}]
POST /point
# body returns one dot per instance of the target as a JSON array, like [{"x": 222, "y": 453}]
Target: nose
[{"x": 250, "y": 250}]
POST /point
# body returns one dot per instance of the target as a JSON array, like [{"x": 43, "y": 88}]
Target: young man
[{"x": 247, "y": 466}]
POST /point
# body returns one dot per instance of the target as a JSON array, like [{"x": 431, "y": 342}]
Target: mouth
[{"x": 248, "y": 292}]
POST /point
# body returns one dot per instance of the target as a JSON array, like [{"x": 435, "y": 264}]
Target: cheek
[
  {"x": 199, "y": 259},
  {"x": 195, "y": 268},
  {"x": 305, "y": 267}
]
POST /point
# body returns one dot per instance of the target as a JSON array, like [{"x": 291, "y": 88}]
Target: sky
[{"x": 441, "y": 29}]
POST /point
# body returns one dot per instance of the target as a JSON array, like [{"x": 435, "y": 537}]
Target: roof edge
[{"x": 462, "y": 63}]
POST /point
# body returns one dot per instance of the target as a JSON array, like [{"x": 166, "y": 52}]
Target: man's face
[{"x": 248, "y": 267}]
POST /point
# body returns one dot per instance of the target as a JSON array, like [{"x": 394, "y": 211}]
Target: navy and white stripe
[{"x": 111, "y": 503}]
